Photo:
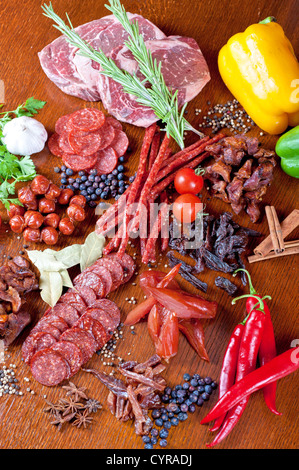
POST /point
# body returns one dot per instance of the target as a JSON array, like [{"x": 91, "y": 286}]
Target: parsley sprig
[
  {"x": 12, "y": 168},
  {"x": 158, "y": 96}
]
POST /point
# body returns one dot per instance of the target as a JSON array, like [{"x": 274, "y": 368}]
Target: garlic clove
[{"x": 24, "y": 136}]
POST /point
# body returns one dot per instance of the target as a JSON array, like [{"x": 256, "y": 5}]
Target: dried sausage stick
[
  {"x": 148, "y": 138},
  {"x": 150, "y": 181},
  {"x": 174, "y": 163},
  {"x": 154, "y": 234},
  {"x": 182, "y": 153},
  {"x": 154, "y": 150}
]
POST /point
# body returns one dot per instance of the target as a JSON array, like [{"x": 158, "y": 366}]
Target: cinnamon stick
[
  {"x": 287, "y": 226},
  {"x": 290, "y": 250},
  {"x": 274, "y": 229}
]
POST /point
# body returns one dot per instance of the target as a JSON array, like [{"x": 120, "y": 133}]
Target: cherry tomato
[
  {"x": 187, "y": 181},
  {"x": 186, "y": 207}
]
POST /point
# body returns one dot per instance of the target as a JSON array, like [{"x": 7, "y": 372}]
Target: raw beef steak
[{"x": 183, "y": 66}]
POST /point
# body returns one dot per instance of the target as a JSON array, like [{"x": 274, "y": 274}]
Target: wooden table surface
[{"x": 24, "y": 31}]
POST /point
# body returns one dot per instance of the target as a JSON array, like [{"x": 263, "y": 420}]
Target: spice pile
[
  {"x": 229, "y": 115},
  {"x": 76, "y": 408},
  {"x": 241, "y": 173},
  {"x": 92, "y": 185},
  {"x": 178, "y": 402},
  {"x": 9, "y": 384}
]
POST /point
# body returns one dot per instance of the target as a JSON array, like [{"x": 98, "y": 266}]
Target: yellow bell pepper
[{"x": 260, "y": 69}]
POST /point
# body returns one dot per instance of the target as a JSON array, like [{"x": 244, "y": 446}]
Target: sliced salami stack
[
  {"x": 87, "y": 139},
  {"x": 81, "y": 322}
]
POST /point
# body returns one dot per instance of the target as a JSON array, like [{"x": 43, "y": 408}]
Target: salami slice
[
  {"x": 84, "y": 340},
  {"x": 62, "y": 124},
  {"x": 92, "y": 280},
  {"x": 120, "y": 143},
  {"x": 93, "y": 327},
  {"x": 67, "y": 312},
  {"x": 107, "y": 133},
  {"x": 53, "y": 320},
  {"x": 105, "y": 276},
  {"x": 73, "y": 296},
  {"x": 53, "y": 145},
  {"x": 87, "y": 119},
  {"x": 35, "y": 342},
  {"x": 100, "y": 334},
  {"x": 106, "y": 161},
  {"x": 111, "y": 309},
  {"x": 114, "y": 122},
  {"x": 127, "y": 264},
  {"x": 115, "y": 269},
  {"x": 49, "y": 367},
  {"x": 78, "y": 162},
  {"x": 88, "y": 295},
  {"x": 47, "y": 327},
  {"x": 71, "y": 353},
  {"x": 106, "y": 319},
  {"x": 63, "y": 142},
  {"x": 84, "y": 143}
]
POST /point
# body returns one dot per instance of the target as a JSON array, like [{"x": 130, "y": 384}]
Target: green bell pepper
[{"x": 287, "y": 148}]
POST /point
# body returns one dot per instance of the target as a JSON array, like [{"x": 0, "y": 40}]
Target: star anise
[
  {"x": 93, "y": 405},
  {"x": 77, "y": 392},
  {"x": 82, "y": 419},
  {"x": 70, "y": 405},
  {"x": 59, "y": 419},
  {"x": 52, "y": 408}
]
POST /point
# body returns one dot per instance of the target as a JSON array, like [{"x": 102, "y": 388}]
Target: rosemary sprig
[{"x": 158, "y": 97}]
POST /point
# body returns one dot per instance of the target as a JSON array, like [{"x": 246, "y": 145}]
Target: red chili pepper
[
  {"x": 246, "y": 363},
  {"x": 267, "y": 349},
  {"x": 229, "y": 367},
  {"x": 143, "y": 308},
  {"x": 279, "y": 367},
  {"x": 183, "y": 304}
]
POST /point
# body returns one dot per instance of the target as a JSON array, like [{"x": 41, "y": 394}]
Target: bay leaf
[
  {"x": 66, "y": 280},
  {"x": 69, "y": 256},
  {"x": 51, "y": 286},
  {"x": 91, "y": 250},
  {"x": 45, "y": 261}
]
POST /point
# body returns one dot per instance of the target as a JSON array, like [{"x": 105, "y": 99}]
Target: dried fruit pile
[{"x": 87, "y": 139}]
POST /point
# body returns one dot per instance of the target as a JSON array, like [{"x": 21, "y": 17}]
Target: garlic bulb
[{"x": 24, "y": 136}]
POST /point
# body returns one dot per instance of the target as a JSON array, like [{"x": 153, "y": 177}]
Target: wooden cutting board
[{"x": 24, "y": 31}]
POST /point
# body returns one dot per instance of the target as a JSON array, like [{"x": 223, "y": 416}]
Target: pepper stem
[
  {"x": 259, "y": 301},
  {"x": 269, "y": 19},
  {"x": 251, "y": 288}
]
